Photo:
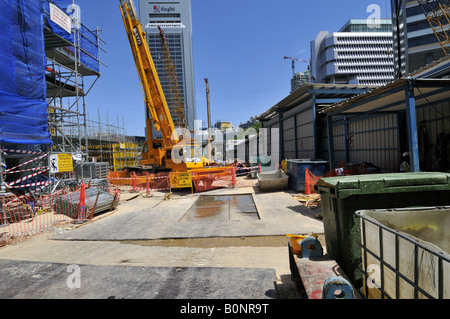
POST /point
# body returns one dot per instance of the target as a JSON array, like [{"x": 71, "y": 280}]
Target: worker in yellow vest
[{"x": 404, "y": 167}]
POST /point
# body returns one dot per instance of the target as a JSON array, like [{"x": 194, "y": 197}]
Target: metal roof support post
[
  {"x": 314, "y": 110},
  {"x": 346, "y": 145},
  {"x": 280, "y": 126},
  {"x": 295, "y": 136},
  {"x": 412, "y": 126},
  {"x": 330, "y": 140}
]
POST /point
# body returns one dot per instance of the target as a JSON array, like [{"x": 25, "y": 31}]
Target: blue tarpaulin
[
  {"x": 62, "y": 4},
  {"x": 88, "y": 39},
  {"x": 23, "y": 106},
  {"x": 89, "y": 49}
]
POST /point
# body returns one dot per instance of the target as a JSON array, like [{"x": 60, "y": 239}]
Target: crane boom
[
  {"x": 151, "y": 86},
  {"x": 293, "y": 63},
  {"x": 173, "y": 86},
  {"x": 171, "y": 153}
]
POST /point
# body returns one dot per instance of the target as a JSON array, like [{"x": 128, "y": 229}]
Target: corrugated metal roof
[
  {"x": 391, "y": 97},
  {"x": 321, "y": 90}
]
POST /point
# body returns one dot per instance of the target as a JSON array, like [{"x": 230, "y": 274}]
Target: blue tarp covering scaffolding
[
  {"x": 23, "y": 106},
  {"x": 89, "y": 49},
  {"x": 88, "y": 40},
  {"x": 63, "y": 4}
]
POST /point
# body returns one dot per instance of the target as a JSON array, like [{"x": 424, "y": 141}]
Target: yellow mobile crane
[{"x": 169, "y": 153}]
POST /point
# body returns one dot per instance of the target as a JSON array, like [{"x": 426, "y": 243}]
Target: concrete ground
[{"x": 150, "y": 232}]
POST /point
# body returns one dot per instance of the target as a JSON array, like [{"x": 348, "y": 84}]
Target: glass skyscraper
[{"x": 175, "y": 19}]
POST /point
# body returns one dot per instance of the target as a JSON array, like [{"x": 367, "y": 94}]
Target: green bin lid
[{"x": 344, "y": 186}]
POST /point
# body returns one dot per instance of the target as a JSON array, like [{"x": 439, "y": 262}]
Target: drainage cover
[{"x": 222, "y": 208}]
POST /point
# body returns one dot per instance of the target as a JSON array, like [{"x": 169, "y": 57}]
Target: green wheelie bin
[{"x": 342, "y": 196}]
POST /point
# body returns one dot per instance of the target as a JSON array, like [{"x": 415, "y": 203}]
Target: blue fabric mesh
[
  {"x": 89, "y": 49},
  {"x": 88, "y": 39},
  {"x": 23, "y": 106},
  {"x": 53, "y": 26}
]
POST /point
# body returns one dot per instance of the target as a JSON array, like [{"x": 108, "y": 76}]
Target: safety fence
[
  {"x": 310, "y": 181},
  {"x": 22, "y": 217},
  {"x": 344, "y": 170},
  {"x": 27, "y": 215},
  {"x": 123, "y": 181},
  {"x": 212, "y": 178},
  {"x": 30, "y": 177},
  {"x": 199, "y": 180}
]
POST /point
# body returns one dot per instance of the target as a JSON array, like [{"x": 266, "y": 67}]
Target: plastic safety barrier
[{"x": 22, "y": 217}]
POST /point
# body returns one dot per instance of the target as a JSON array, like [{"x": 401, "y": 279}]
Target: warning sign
[
  {"x": 180, "y": 180},
  {"x": 61, "y": 163},
  {"x": 60, "y": 18}
]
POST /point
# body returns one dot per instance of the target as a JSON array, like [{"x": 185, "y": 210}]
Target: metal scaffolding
[{"x": 67, "y": 88}]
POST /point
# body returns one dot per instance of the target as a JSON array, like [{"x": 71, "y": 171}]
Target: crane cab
[{"x": 176, "y": 158}]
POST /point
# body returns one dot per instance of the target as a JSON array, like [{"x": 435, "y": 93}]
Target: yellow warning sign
[
  {"x": 65, "y": 163},
  {"x": 180, "y": 180},
  {"x": 60, "y": 163}
]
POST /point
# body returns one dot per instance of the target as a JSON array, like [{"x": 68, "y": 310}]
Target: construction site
[{"x": 342, "y": 191}]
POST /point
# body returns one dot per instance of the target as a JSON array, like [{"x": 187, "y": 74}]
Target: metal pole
[
  {"x": 330, "y": 140},
  {"x": 2, "y": 186},
  {"x": 86, "y": 140},
  {"x": 281, "y": 136},
  {"x": 208, "y": 144},
  {"x": 412, "y": 126}
]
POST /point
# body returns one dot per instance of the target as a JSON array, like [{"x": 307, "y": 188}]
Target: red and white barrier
[
  {"x": 142, "y": 188},
  {"x": 43, "y": 184},
  {"x": 140, "y": 177},
  {"x": 246, "y": 168},
  {"x": 25, "y": 178},
  {"x": 28, "y": 162},
  {"x": 24, "y": 170},
  {"x": 5, "y": 151}
]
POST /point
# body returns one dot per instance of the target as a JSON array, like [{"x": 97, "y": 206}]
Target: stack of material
[
  {"x": 15, "y": 213},
  {"x": 102, "y": 170},
  {"x": 310, "y": 201},
  {"x": 92, "y": 170},
  {"x": 100, "y": 183},
  {"x": 69, "y": 204}
]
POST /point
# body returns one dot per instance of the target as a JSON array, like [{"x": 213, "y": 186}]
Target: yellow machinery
[{"x": 170, "y": 153}]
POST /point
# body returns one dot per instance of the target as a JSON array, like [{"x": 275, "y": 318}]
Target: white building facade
[{"x": 357, "y": 54}]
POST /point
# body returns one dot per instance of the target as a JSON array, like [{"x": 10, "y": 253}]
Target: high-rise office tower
[
  {"x": 299, "y": 79},
  {"x": 358, "y": 54},
  {"x": 175, "y": 19}
]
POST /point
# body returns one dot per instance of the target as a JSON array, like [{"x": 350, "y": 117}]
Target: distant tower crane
[{"x": 293, "y": 63}]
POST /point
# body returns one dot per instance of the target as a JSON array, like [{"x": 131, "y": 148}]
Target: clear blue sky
[{"x": 239, "y": 46}]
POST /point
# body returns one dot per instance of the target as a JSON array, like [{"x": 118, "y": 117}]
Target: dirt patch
[{"x": 216, "y": 242}]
